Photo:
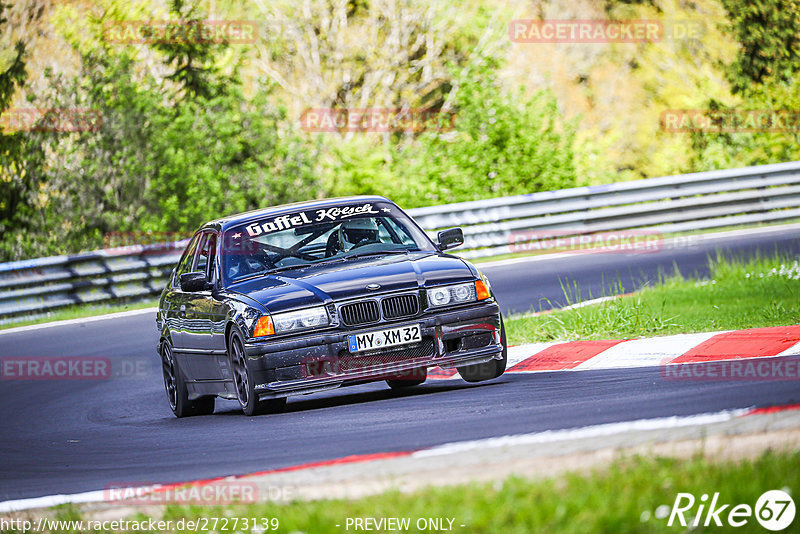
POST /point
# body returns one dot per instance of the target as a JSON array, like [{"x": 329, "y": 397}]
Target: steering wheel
[
  {"x": 246, "y": 266},
  {"x": 332, "y": 246}
]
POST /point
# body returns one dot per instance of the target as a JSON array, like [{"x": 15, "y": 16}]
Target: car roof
[{"x": 254, "y": 215}]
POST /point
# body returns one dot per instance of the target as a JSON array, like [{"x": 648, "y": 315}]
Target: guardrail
[
  {"x": 690, "y": 202},
  {"x": 32, "y": 287}
]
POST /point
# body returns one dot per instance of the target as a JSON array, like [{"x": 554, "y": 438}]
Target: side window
[
  {"x": 185, "y": 264},
  {"x": 205, "y": 259}
]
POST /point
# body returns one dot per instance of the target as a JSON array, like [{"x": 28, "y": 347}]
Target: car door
[
  {"x": 205, "y": 315},
  {"x": 174, "y": 301}
]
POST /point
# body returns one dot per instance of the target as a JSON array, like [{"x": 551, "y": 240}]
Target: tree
[
  {"x": 769, "y": 34},
  {"x": 193, "y": 62},
  {"x": 174, "y": 148},
  {"x": 503, "y": 143},
  {"x": 495, "y": 143},
  {"x": 764, "y": 76},
  {"x": 18, "y": 155},
  {"x": 358, "y": 54}
]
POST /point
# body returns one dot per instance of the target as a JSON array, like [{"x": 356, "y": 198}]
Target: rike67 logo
[{"x": 774, "y": 510}]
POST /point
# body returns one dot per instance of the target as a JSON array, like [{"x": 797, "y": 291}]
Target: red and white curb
[{"x": 650, "y": 352}]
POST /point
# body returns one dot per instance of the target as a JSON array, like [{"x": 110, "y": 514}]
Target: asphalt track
[{"x": 74, "y": 436}]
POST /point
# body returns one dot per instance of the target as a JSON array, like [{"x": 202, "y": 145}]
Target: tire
[
  {"x": 244, "y": 382},
  {"x": 487, "y": 370},
  {"x": 175, "y": 386},
  {"x": 408, "y": 379}
]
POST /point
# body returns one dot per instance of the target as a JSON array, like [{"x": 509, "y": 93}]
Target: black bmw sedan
[{"x": 313, "y": 296}]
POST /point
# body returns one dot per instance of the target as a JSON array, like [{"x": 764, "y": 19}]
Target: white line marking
[
  {"x": 794, "y": 350},
  {"x": 80, "y": 320},
  {"x": 581, "y": 433},
  {"x": 575, "y": 306},
  {"x": 50, "y": 500},
  {"x": 592, "y": 302}
]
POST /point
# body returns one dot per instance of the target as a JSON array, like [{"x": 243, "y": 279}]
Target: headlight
[
  {"x": 301, "y": 320},
  {"x": 455, "y": 294}
]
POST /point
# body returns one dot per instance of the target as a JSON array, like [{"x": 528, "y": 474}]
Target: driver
[
  {"x": 237, "y": 266},
  {"x": 357, "y": 232}
]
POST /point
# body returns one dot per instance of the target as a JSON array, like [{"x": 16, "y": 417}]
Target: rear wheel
[
  {"x": 244, "y": 382},
  {"x": 177, "y": 392},
  {"x": 408, "y": 379},
  {"x": 487, "y": 370}
]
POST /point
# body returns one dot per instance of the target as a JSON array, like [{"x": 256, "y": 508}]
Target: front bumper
[{"x": 321, "y": 361}]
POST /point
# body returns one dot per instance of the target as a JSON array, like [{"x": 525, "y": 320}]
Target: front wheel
[
  {"x": 177, "y": 392},
  {"x": 487, "y": 370},
  {"x": 244, "y": 382}
]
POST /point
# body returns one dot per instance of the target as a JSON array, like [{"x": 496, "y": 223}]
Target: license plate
[{"x": 391, "y": 337}]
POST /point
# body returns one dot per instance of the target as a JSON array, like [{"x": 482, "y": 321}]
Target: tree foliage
[
  {"x": 168, "y": 154},
  {"x": 191, "y": 131},
  {"x": 358, "y": 54},
  {"x": 764, "y": 76},
  {"x": 491, "y": 143},
  {"x": 768, "y": 32},
  {"x": 19, "y": 157},
  {"x": 503, "y": 143}
]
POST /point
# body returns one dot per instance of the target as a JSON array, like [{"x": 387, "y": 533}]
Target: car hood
[{"x": 338, "y": 281}]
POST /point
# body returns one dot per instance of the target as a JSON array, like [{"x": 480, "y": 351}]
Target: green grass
[
  {"x": 757, "y": 293},
  {"x": 84, "y": 310},
  {"x": 622, "y": 498}
]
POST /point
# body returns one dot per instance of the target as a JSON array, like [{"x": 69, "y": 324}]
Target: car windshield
[{"x": 318, "y": 235}]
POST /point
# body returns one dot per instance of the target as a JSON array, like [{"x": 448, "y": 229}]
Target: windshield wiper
[
  {"x": 376, "y": 252},
  {"x": 326, "y": 262},
  {"x": 265, "y": 273},
  {"x": 285, "y": 268}
]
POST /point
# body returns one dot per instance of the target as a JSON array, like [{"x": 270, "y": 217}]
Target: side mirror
[
  {"x": 452, "y": 237},
  {"x": 191, "y": 282}
]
